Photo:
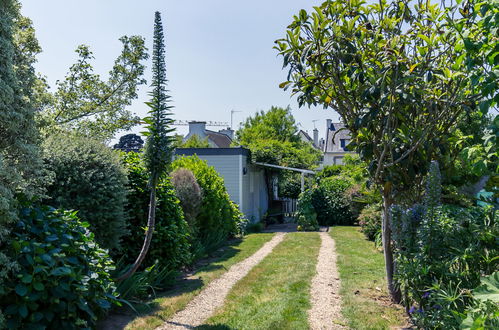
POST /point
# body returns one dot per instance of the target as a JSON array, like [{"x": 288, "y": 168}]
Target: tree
[
  {"x": 384, "y": 67},
  {"x": 130, "y": 142},
  {"x": 195, "y": 142},
  {"x": 272, "y": 137},
  {"x": 159, "y": 144},
  {"x": 20, "y": 164}
]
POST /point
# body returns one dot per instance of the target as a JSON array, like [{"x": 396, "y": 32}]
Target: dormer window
[{"x": 344, "y": 143}]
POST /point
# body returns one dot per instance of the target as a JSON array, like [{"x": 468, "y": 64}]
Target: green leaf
[
  {"x": 23, "y": 311},
  {"x": 27, "y": 279},
  {"x": 489, "y": 289},
  {"x": 21, "y": 289},
  {"x": 38, "y": 286}
]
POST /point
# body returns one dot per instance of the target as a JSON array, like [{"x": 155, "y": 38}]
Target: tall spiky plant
[{"x": 159, "y": 145}]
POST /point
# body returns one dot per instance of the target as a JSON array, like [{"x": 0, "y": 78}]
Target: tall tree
[
  {"x": 390, "y": 69},
  {"x": 20, "y": 162},
  {"x": 159, "y": 144}
]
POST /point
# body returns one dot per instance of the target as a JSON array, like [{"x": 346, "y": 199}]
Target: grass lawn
[
  {"x": 275, "y": 294},
  {"x": 170, "y": 302},
  {"x": 365, "y": 300}
]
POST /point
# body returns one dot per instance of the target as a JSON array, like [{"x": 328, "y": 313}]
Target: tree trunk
[
  {"x": 147, "y": 240},
  {"x": 386, "y": 234}
]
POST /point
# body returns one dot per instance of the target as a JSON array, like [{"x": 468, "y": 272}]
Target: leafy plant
[
  {"x": 159, "y": 144},
  {"x": 62, "y": 280},
  {"x": 195, "y": 142},
  {"x": 306, "y": 214},
  {"x": 189, "y": 193},
  {"x": 484, "y": 313},
  {"x": 370, "y": 221},
  {"x": 219, "y": 218},
  {"x": 170, "y": 245},
  {"x": 89, "y": 178}
]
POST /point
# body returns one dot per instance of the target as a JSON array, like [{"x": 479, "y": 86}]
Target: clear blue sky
[{"x": 219, "y": 53}]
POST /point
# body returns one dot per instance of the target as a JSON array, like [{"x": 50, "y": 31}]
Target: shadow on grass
[
  {"x": 118, "y": 319},
  {"x": 214, "y": 327}
]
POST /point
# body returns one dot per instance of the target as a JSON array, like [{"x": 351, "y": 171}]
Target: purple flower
[
  {"x": 426, "y": 294},
  {"x": 412, "y": 310}
]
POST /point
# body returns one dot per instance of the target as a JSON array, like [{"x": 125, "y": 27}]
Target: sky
[{"x": 219, "y": 53}]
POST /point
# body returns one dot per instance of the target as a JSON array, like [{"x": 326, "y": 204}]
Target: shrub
[
  {"x": 441, "y": 252},
  {"x": 62, "y": 280},
  {"x": 219, "y": 218},
  {"x": 89, "y": 178},
  {"x": 254, "y": 227},
  {"x": 331, "y": 203},
  {"x": 170, "y": 246},
  {"x": 188, "y": 192},
  {"x": 307, "y": 215},
  {"x": 370, "y": 221}
]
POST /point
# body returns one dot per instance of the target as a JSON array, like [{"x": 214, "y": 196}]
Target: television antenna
[{"x": 208, "y": 123}]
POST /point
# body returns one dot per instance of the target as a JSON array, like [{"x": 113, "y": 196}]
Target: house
[
  {"x": 305, "y": 137},
  {"x": 220, "y": 139},
  {"x": 244, "y": 181},
  {"x": 337, "y": 140}
]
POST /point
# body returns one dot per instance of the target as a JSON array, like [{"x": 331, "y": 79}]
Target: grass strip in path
[
  {"x": 170, "y": 302},
  {"x": 275, "y": 293},
  {"x": 365, "y": 300}
]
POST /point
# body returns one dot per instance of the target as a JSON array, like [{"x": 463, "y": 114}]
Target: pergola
[{"x": 302, "y": 171}]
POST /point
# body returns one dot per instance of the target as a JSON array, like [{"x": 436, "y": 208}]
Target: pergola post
[{"x": 302, "y": 181}]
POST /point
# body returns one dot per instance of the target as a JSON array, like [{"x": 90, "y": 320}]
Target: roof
[
  {"x": 305, "y": 135},
  {"x": 220, "y": 139},
  {"x": 341, "y": 133}
]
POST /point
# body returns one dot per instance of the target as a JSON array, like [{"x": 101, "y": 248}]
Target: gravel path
[
  {"x": 324, "y": 293},
  {"x": 213, "y": 296}
]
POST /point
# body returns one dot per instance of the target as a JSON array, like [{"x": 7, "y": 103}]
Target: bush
[
  {"x": 441, "y": 252},
  {"x": 306, "y": 213},
  {"x": 219, "y": 218},
  {"x": 331, "y": 202},
  {"x": 370, "y": 221},
  {"x": 254, "y": 227},
  {"x": 189, "y": 193},
  {"x": 62, "y": 280},
  {"x": 89, "y": 178},
  {"x": 170, "y": 246}
]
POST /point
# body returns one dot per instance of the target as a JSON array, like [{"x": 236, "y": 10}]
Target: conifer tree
[{"x": 159, "y": 144}]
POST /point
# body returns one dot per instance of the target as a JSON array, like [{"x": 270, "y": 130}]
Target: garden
[{"x": 87, "y": 230}]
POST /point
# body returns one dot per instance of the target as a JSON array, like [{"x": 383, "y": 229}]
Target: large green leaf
[{"x": 489, "y": 289}]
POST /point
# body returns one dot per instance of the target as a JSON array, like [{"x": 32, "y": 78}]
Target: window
[{"x": 344, "y": 143}]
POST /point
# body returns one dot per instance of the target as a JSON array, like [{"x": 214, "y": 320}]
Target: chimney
[
  {"x": 316, "y": 137},
  {"x": 198, "y": 128},
  {"x": 228, "y": 131},
  {"x": 328, "y": 124}
]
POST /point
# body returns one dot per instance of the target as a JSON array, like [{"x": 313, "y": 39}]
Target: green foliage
[
  {"x": 306, "y": 214},
  {"x": 370, "y": 221},
  {"x": 130, "y": 142},
  {"x": 159, "y": 144},
  {"x": 484, "y": 313},
  {"x": 86, "y": 103},
  {"x": 331, "y": 202},
  {"x": 89, "y": 178},
  {"x": 144, "y": 284},
  {"x": 219, "y": 218},
  {"x": 384, "y": 67},
  {"x": 254, "y": 227},
  {"x": 195, "y": 142},
  {"x": 272, "y": 138},
  {"x": 20, "y": 163},
  {"x": 189, "y": 193},
  {"x": 441, "y": 251},
  {"x": 170, "y": 242},
  {"x": 62, "y": 280}
]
